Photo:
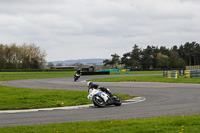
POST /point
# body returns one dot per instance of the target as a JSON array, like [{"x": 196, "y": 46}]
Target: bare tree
[{"x": 25, "y": 56}]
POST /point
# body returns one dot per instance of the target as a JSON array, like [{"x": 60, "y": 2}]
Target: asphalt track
[{"x": 162, "y": 99}]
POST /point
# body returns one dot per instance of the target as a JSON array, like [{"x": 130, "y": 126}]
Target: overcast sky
[{"x": 80, "y": 29}]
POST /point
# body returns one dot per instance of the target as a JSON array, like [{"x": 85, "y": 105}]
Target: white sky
[{"x": 80, "y": 29}]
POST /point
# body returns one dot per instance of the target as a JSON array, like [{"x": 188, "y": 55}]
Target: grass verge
[
  {"x": 33, "y": 75},
  {"x": 149, "y": 78},
  {"x": 20, "y": 98},
  {"x": 176, "y": 124},
  {"x": 136, "y": 72},
  {"x": 38, "y": 75}
]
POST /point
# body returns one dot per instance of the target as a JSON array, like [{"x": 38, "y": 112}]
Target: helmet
[{"x": 89, "y": 84}]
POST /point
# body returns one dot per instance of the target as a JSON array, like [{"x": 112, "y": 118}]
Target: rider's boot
[{"x": 110, "y": 94}]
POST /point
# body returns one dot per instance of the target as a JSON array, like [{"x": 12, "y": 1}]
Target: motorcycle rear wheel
[{"x": 75, "y": 78}]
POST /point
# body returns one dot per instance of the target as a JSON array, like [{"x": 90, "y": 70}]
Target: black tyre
[
  {"x": 75, "y": 78},
  {"x": 117, "y": 100},
  {"x": 98, "y": 101}
]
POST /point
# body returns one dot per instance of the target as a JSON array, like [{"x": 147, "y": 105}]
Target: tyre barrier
[
  {"x": 95, "y": 73},
  {"x": 192, "y": 74},
  {"x": 171, "y": 74},
  {"x": 114, "y": 70}
]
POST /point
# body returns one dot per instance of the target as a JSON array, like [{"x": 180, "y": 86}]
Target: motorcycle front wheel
[
  {"x": 117, "y": 100},
  {"x": 98, "y": 101}
]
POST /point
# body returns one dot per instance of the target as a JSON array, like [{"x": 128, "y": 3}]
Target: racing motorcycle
[
  {"x": 76, "y": 76},
  {"x": 101, "y": 99}
]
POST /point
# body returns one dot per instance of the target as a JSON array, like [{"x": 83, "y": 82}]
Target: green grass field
[
  {"x": 151, "y": 78},
  {"x": 33, "y": 75},
  {"x": 174, "y": 124},
  {"x": 21, "y": 98},
  {"x": 136, "y": 72}
]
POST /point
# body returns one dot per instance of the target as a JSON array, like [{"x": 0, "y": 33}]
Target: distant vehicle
[{"x": 77, "y": 75}]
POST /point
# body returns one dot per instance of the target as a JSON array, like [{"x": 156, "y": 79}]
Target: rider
[
  {"x": 78, "y": 72},
  {"x": 91, "y": 85}
]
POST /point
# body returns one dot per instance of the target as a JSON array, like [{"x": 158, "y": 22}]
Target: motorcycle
[
  {"x": 76, "y": 77},
  {"x": 101, "y": 99}
]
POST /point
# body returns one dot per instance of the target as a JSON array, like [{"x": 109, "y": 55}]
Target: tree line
[
  {"x": 154, "y": 57},
  {"x": 26, "y": 56}
]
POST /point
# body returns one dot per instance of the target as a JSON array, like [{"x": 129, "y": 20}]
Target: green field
[
  {"x": 21, "y": 98},
  {"x": 175, "y": 124},
  {"x": 136, "y": 72},
  {"x": 33, "y": 75},
  {"x": 151, "y": 78},
  {"x": 38, "y": 75}
]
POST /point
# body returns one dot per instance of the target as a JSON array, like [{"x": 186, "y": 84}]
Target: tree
[
  {"x": 21, "y": 57},
  {"x": 126, "y": 60},
  {"x": 32, "y": 56},
  {"x": 2, "y": 56},
  {"x": 189, "y": 52},
  {"x": 164, "y": 50},
  {"x": 197, "y": 54},
  {"x": 175, "y": 60},
  {"x": 162, "y": 60},
  {"x": 135, "y": 57},
  {"x": 106, "y": 62},
  {"x": 155, "y": 51},
  {"x": 147, "y": 58},
  {"x": 50, "y": 64},
  {"x": 113, "y": 62}
]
